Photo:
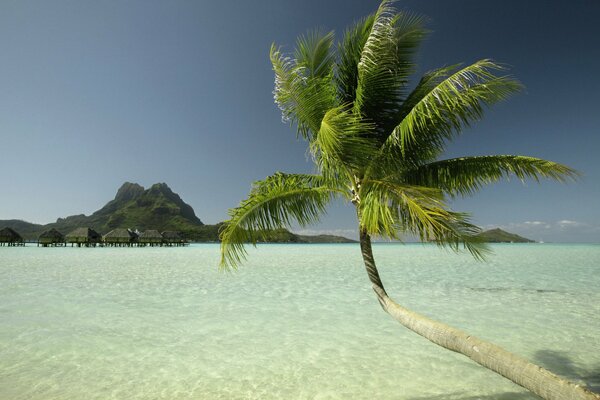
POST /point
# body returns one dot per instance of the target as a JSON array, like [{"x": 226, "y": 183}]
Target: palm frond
[
  {"x": 313, "y": 54},
  {"x": 350, "y": 50},
  {"x": 304, "y": 90},
  {"x": 284, "y": 93},
  {"x": 341, "y": 142},
  {"x": 445, "y": 101},
  {"x": 383, "y": 202},
  {"x": 390, "y": 209},
  {"x": 466, "y": 175},
  {"x": 409, "y": 32},
  {"x": 274, "y": 203},
  {"x": 460, "y": 234},
  {"x": 385, "y": 64}
]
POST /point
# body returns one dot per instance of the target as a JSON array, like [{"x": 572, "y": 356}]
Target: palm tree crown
[{"x": 375, "y": 142}]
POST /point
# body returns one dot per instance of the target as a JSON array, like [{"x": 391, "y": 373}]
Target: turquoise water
[{"x": 296, "y": 321}]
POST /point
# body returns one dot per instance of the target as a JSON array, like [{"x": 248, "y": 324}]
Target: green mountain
[
  {"x": 157, "y": 207},
  {"x": 499, "y": 236}
]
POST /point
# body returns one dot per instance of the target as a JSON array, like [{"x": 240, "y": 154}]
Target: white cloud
[
  {"x": 534, "y": 223},
  {"x": 566, "y": 222}
]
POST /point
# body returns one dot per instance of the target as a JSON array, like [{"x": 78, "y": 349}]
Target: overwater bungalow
[
  {"x": 120, "y": 237},
  {"x": 51, "y": 237},
  {"x": 84, "y": 237},
  {"x": 9, "y": 237},
  {"x": 173, "y": 238},
  {"x": 151, "y": 237}
]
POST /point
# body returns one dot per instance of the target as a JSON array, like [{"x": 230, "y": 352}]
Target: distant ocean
[{"x": 295, "y": 322}]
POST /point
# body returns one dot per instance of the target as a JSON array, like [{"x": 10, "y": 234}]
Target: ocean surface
[{"x": 295, "y": 322}]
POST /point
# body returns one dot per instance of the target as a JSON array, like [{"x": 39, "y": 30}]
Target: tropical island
[
  {"x": 157, "y": 208},
  {"x": 499, "y": 236}
]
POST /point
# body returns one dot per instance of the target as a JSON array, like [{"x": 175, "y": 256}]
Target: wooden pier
[{"x": 88, "y": 237}]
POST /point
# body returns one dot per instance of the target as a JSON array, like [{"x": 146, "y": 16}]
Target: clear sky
[{"x": 96, "y": 93}]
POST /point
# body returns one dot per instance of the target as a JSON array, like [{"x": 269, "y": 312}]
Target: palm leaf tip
[
  {"x": 462, "y": 234},
  {"x": 313, "y": 53},
  {"x": 465, "y": 175},
  {"x": 304, "y": 89},
  {"x": 233, "y": 252},
  {"x": 447, "y": 100},
  {"x": 273, "y": 203},
  {"x": 384, "y": 65}
]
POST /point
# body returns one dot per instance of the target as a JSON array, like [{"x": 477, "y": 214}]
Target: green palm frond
[
  {"x": 409, "y": 32},
  {"x": 304, "y": 89},
  {"x": 387, "y": 208},
  {"x": 445, "y": 101},
  {"x": 466, "y": 175},
  {"x": 460, "y": 234},
  {"x": 313, "y": 54},
  {"x": 384, "y": 207},
  {"x": 385, "y": 63},
  {"x": 340, "y": 144},
  {"x": 414, "y": 153},
  {"x": 350, "y": 51},
  {"x": 274, "y": 203},
  {"x": 376, "y": 67},
  {"x": 285, "y": 77}
]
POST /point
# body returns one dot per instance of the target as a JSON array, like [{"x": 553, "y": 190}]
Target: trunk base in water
[
  {"x": 522, "y": 372},
  {"x": 532, "y": 377}
]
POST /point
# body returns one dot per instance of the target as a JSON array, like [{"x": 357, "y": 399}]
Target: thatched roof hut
[
  {"x": 86, "y": 236},
  {"x": 173, "y": 238},
  {"x": 10, "y": 237},
  {"x": 151, "y": 236},
  {"x": 51, "y": 237},
  {"x": 120, "y": 236}
]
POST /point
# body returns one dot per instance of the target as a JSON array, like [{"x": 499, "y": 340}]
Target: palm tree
[{"x": 376, "y": 145}]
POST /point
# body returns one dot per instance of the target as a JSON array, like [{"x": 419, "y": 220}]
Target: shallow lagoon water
[{"x": 295, "y": 322}]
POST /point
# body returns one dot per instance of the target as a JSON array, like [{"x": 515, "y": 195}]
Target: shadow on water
[
  {"x": 555, "y": 361},
  {"x": 560, "y": 363},
  {"x": 495, "y": 396}
]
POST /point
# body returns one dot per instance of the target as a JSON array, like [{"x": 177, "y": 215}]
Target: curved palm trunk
[{"x": 530, "y": 376}]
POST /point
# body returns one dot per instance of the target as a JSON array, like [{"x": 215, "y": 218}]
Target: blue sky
[{"x": 93, "y": 94}]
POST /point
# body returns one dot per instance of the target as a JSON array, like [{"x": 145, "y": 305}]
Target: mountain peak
[
  {"x": 155, "y": 208},
  {"x": 160, "y": 188},
  {"x": 128, "y": 191}
]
